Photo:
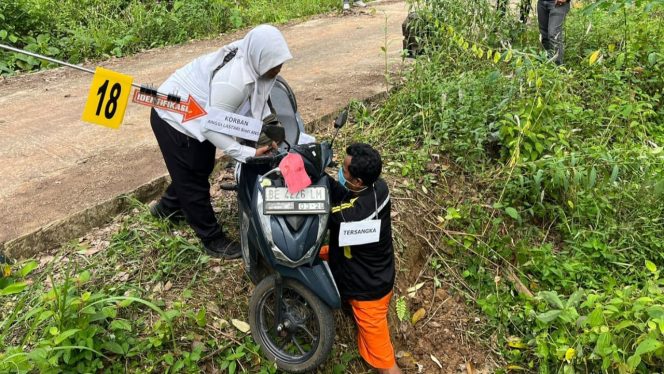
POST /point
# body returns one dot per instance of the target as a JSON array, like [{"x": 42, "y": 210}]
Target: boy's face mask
[
  {"x": 346, "y": 183},
  {"x": 341, "y": 177}
]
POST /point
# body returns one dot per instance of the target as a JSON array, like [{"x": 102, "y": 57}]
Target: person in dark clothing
[
  {"x": 361, "y": 255},
  {"x": 551, "y": 18}
]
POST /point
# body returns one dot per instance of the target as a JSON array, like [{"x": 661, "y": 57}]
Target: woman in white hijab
[{"x": 237, "y": 78}]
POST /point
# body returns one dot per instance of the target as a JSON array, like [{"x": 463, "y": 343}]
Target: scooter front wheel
[{"x": 301, "y": 339}]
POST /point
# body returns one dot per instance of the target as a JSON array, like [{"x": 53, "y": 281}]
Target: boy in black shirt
[{"x": 361, "y": 255}]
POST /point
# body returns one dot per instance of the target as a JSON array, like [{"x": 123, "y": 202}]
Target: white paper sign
[
  {"x": 306, "y": 139},
  {"x": 232, "y": 124},
  {"x": 359, "y": 232}
]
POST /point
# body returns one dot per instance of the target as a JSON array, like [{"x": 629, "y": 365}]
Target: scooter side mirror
[{"x": 341, "y": 120}]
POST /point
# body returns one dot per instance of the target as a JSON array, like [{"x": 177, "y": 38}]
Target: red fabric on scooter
[{"x": 292, "y": 168}]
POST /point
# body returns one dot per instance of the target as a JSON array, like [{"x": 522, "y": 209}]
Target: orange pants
[
  {"x": 324, "y": 253},
  {"x": 373, "y": 338}
]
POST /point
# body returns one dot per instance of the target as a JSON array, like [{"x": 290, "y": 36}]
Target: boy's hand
[{"x": 265, "y": 149}]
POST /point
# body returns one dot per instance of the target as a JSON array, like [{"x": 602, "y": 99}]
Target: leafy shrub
[
  {"x": 82, "y": 314},
  {"x": 620, "y": 330},
  {"x": 74, "y": 328},
  {"x": 567, "y": 165}
]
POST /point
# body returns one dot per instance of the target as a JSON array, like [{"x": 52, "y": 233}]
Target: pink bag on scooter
[{"x": 292, "y": 168}]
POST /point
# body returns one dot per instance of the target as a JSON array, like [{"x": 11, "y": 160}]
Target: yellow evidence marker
[{"x": 107, "y": 99}]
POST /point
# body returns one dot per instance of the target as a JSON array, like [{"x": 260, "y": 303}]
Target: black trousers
[
  {"x": 551, "y": 18},
  {"x": 190, "y": 163}
]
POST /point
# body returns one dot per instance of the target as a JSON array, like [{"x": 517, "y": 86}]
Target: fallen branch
[{"x": 520, "y": 287}]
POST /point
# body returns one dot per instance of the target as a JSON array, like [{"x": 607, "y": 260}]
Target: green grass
[
  {"x": 76, "y": 31},
  {"x": 138, "y": 295},
  {"x": 544, "y": 190},
  {"x": 547, "y": 181}
]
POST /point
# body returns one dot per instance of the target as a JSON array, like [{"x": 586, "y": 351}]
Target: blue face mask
[
  {"x": 342, "y": 178},
  {"x": 344, "y": 182}
]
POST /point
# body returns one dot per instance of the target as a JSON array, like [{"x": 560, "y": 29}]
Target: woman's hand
[{"x": 265, "y": 149}]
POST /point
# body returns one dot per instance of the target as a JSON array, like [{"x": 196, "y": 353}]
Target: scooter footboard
[{"x": 318, "y": 278}]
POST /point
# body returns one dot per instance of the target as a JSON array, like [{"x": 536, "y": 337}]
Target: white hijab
[{"x": 262, "y": 49}]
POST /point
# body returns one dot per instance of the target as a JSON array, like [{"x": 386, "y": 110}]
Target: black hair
[{"x": 365, "y": 162}]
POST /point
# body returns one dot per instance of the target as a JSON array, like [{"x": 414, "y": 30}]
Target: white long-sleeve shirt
[{"x": 227, "y": 92}]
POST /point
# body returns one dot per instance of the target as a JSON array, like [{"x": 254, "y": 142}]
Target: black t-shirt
[{"x": 362, "y": 272}]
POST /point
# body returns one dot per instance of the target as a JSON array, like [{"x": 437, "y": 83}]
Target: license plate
[{"x": 311, "y": 200}]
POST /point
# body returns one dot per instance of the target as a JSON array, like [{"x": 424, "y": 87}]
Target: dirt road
[{"x": 52, "y": 164}]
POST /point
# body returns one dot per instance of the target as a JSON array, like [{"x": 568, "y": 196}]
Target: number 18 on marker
[{"x": 107, "y": 99}]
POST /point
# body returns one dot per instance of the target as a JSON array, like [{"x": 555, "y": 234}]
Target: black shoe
[
  {"x": 223, "y": 248},
  {"x": 158, "y": 210}
]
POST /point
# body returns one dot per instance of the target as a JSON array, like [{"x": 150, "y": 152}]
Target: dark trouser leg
[
  {"x": 169, "y": 199},
  {"x": 190, "y": 163},
  {"x": 556, "y": 21},
  {"x": 543, "y": 7},
  {"x": 167, "y": 140}
]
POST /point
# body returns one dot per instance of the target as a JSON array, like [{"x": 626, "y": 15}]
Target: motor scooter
[{"x": 290, "y": 310}]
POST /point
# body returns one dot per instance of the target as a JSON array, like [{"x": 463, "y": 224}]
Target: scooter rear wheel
[{"x": 305, "y": 333}]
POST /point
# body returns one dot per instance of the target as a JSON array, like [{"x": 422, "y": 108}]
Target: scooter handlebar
[
  {"x": 273, "y": 159},
  {"x": 264, "y": 160}
]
